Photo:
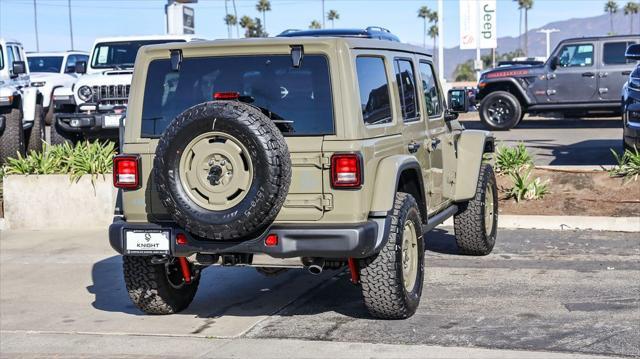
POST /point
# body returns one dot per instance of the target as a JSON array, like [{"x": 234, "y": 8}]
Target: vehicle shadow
[
  {"x": 243, "y": 292},
  {"x": 554, "y": 123}
]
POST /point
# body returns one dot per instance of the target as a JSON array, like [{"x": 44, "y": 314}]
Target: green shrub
[
  {"x": 527, "y": 188},
  {"x": 628, "y": 165},
  {"x": 85, "y": 158},
  {"x": 512, "y": 159}
]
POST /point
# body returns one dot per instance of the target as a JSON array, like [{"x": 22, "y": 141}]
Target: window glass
[
  {"x": 613, "y": 53},
  {"x": 374, "y": 90},
  {"x": 432, "y": 96},
  {"x": 70, "y": 67},
  {"x": 45, "y": 63},
  {"x": 298, "y": 100},
  {"x": 10, "y": 57},
  {"x": 576, "y": 55},
  {"x": 17, "y": 53},
  {"x": 406, "y": 79},
  {"x": 1, "y": 58},
  {"x": 120, "y": 54}
]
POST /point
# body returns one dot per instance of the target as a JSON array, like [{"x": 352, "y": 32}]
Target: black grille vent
[{"x": 111, "y": 94}]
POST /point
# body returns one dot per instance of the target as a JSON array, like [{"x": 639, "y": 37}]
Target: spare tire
[{"x": 223, "y": 170}]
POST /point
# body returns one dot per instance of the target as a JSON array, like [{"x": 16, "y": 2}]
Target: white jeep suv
[
  {"x": 21, "y": 119},
  {"x": 94, "y": 107},
  {"x": 51, "y": 70}
]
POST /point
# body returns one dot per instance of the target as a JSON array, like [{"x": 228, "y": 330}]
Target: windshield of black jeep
[
  {"x": 298, "y": 100},
  {"x": 45, "y": 63},
  {"x": 120, "y": 54}
]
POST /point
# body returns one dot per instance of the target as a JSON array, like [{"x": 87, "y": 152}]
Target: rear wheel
[
  {"x": 36, "y": 134},
  {"x": 392, "y": 279},
  {"x": 500, "y": 111},
  {"x": 12, "y": 139},
  {"x": 158, "y": 288}
]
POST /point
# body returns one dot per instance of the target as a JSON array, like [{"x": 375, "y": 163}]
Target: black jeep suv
[
  {"x": 583, "y": 76},
  {"x": 631, "y": 102}
]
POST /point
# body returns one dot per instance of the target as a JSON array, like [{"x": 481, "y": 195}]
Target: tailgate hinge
[{"x": 327, "y": 202}]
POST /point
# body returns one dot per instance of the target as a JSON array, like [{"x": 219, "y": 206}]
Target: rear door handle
[
  {"x": 588, "y": 74},
  {"x": 413, "y": 147}
]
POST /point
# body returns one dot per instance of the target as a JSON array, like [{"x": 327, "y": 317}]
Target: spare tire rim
[
  {"x": 409, "y": 255},
  {"x": 489, "y": 210},
  {"x": 216, "y": 171},
  {"x": 500, "y": 111}
]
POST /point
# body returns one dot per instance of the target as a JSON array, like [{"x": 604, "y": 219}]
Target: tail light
[
  {"x": 126, "y": 171},
  {"x": 346, "y": 170}
]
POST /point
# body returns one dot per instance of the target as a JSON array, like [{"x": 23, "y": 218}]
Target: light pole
[
  {"x": 548, "y": 32},
  {"x": 441, "y": 41},
  {"x": 323, "y": 15},
  {"x": 35, "y": 22},
  {"x": 70, "y": 24}
]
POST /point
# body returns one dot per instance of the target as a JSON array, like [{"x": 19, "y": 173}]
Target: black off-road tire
[
  {"x": 381, "y": 277},
  {"x": 469, "y": 223},
  {"x": 512, "y": 104},
  {"x": 12, "y": 139},
  {"x": 59, "y": 136},
  {"x": 270, "y": 160},
  {"x": 36, "y": 134},
  {"x": 151, "y": 291}
]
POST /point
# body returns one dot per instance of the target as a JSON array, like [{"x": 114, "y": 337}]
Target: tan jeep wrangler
[{"x": 318, "y": 149}]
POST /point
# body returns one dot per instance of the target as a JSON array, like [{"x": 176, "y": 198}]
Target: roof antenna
[{"x": 297, "y": 54}]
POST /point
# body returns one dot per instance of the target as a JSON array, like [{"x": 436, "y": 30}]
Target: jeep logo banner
[{"x": 478, "y": 24}]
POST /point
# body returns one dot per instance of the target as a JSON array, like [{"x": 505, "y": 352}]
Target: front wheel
[
  {"x": 392, "y": 279},
  {"x": 158, "y": 288},
  {"x": 500, "y": 111},
  {"x": 36, "y": 134},
  {"x": 475, "y": 224}
]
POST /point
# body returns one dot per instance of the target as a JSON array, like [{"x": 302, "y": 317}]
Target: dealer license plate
[
  {"x": 147, "y": 242},
  {"x": 111, "y": 121}
]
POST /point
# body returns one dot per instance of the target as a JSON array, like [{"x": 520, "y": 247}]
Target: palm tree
[
  {"x": 235, "y": 14},
  {"x": 226, "y": 15},
  {"x": 263, "y": 6},
  {"x": 332, "y": 16},
  {"x": 611, "y": 7},
  {"x": 315, "y": 25},
  {"x": 231, "y": 21},
  {"x": 520, "y": 23},
  {"x": 526, "y": 5},
  {"x": 423, "y": 13},
  {"x": 433, "y": 30},
  {"x": 632, "y": 8},
  {"x": 247, "y": 23}
]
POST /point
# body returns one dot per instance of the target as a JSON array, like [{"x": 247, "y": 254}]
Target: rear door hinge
[{"x": 327, "y": 202}]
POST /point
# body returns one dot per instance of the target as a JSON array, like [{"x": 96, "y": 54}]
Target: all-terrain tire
[
  {"x": 59, "y": 136},
  {"x": 381, "y": 275},
  {"x": 150, "y": 289},
  {"x": 36, "y": 134},
  {"x": 12, "y": 139},
  {"x": 500, "y": 100},
  {"x": 270, "y": 164},
  {"x": 472, "y": 235}
]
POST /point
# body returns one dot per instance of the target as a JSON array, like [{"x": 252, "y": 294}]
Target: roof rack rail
[{"x": 371, "y": 32}]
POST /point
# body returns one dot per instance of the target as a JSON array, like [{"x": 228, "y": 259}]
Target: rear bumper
[{"x": 294, "y": 240}]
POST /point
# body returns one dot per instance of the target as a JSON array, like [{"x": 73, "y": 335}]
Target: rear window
[
  {"x": 298, "y": 100},
  {"x": 613, "y": 53},
  {"x": 45, "y": 63},
  {"x": 374, "y": 90}
]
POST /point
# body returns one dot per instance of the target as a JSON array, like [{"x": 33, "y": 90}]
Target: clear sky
[{"x": 94, "y": 18}]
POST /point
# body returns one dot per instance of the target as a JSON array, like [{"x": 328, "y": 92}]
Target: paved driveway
[
  {"x": 62, "y": 292},
  {"x": 566, "y": 141}
]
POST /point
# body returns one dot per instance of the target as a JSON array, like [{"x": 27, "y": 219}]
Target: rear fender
[
  {"x": 468, "y": 152},
  {"x": 388, "y": 177}
]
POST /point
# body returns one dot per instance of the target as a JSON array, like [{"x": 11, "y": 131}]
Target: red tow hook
[
  {"x": 355, "y": 273},
  {"x": 184, "y": 266}
]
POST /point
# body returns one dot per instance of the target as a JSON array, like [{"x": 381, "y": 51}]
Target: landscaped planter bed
[
  {"x": 575, "y": 193},
  {"x": 55, "y": 202}
]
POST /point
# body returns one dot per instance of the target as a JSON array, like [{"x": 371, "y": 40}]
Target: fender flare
[
  {"x": 29, "y": 101},
  {"x": 470, "y": 147},
  {"x": 513, "y": 83},
  {"x": 388, "y": 176}
]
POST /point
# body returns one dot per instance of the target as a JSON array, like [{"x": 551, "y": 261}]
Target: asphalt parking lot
[
  {"x": 559, "y": 291},
  {"x": 562, "y": 141}
]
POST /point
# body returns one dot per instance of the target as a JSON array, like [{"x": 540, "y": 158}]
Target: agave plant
[
  {"x": 628, "y": 165},
  {"x": 512, "y": 159},
  {"x": 527, "y": 188}
]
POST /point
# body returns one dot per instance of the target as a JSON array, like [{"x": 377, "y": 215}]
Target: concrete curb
[
  {"x": 614, "y": 224},
  {"x": 1, "y": 224}
]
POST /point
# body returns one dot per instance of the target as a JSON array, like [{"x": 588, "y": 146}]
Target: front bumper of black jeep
[{"x": 294, "y": 240}]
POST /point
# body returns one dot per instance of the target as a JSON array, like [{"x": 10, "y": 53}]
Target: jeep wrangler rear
[{"x": 304, "y": 150}]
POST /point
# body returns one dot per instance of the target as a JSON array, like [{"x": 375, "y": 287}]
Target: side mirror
[
  {"x": 458, "y": 100},
  {"x": 554, "y": 62},
  {"x": 633, "y": 52},
  {"x": 19, "y": 68},
  {"x": 81, "y": 67}
]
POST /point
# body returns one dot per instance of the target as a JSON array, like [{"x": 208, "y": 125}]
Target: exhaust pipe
[{"x": 313, "y": 265}]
